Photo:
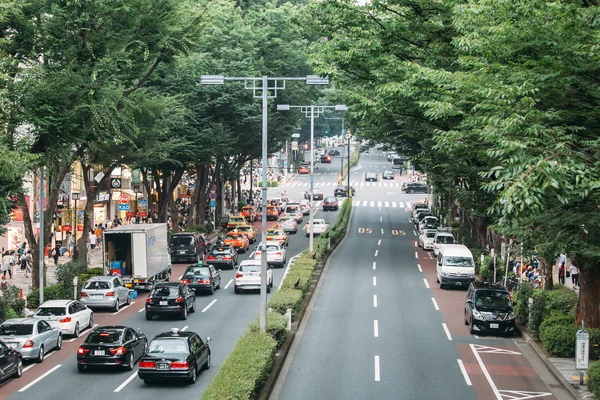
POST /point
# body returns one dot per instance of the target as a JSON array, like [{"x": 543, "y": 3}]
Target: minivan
[
  {"x": 187, "y": 247},
  {"x": 294, "y": 210},
  {"x": 455, "y": 266}
]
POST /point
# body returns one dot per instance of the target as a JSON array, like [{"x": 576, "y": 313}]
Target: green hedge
[
  {"x": 10, "y": 304},
  {"x": 305, "y": 276},
  {"x": 286, "y": 298},
  {"x": 593, "y": 383},
  {"x": 245, "y": 370},
  {"x": 276, "y": 326},
  {"x": 522, "y": 295},
  {"x": 559, "y": 340}
]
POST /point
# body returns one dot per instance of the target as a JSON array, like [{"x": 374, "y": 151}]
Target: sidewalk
[{"x": 566, "y": 367}]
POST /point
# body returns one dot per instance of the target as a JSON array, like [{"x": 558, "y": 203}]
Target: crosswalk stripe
[
  {"x": 385, "y": 184},
  {"x": 364, "y": 203},
  {"x": 372, "y": 204},
  {"x": 378, "y": 204},
  {"x": 328, "y": 183},
  {"x": 387, "y": 203},
  {"x": 356, "y": 203},
  {"x": 408, "y": 204},
  {"x": 401, "y": 205}
]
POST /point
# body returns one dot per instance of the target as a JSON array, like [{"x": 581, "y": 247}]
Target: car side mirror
[
  {"x": 469, "y": 301},
  {"x": 180, "y": 278},
  {"x": 208, "y": 338},
  {"x": 219, "y": 270}
]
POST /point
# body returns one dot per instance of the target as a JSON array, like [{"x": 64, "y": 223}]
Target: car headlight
[
  {"x": 511, "y": 315},
  {"x": 445, "y": 274},
  {"x": 477, "y": 315}
]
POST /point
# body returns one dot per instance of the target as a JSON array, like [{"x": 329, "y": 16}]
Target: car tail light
[
  {"x": 118, "y": 351},
  {"x": 82, "y": 350},
  {"x": 325, "y": 203},
  {"x": 238, "y": 276},
  {"x": 147, "y": 365},
  {"x": 28, "y": 343},
  {"x": 227, "y": 258},
  {"x": 334, "y": 203},
  {"x": 67, "y": 319},
  {"x": 179, "y": 300},
  {"x": 83, "y": 294},
  {"x": 186, "y": 281},
  {"x": 148, "y": 300},
  {"x": 204, "y": 281},
  {"x": 110, "y": 294},
  {"x": 278, "y": 253},
  {"x": 180, "y": 365}
]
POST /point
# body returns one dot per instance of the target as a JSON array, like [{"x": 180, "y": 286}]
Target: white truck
[{"x": 139, "y": 253}]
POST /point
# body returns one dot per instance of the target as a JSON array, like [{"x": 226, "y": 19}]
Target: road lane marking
[
  {"x": 374, "y": 281},
  {"x": 376, "y": 328},
  {"x": 375, "y": 300},
  {"x": 447, "y": 331},
  {"x": 379, "y": 243},
  {"x": 415, "y": 233},
  {"x": 184, "y": 328},
  {"x": 142, "y": 309},
  {"x": 426, "y": 284},
  {"x": 80, "y": 335},
  {"x": 209, "y": 305},
  {"x": 382, "y": 231},
  {"x": 131, "y": 377},
  {"x": 408, "y": 204},
  {"x": 124, "y": 308},
  {"x": 486, "y": 373},
  {"x": 416, "y": 255},
  {"x": 228, "y": 283},
  {"x": 380, "y": 219},
  {"x": 416, "y": 244},
  {"x": 380, "y": 209},
  {"x": 393, "y": 204},
  {"x": 24, "y": 388},
  {"x": 430, "y": 255},
  {"x": 372, "y": 204},
  {"x": 387, "y": 204},
  {"x": 464, "y": 372},
  {"x": 376, "y": 252},
  {"x": 379, "y": 205},
  {"x": 374, "y": 265},
  {"x": 252, "y": 254},
  {"x": 419, "y": 266},
  {"x": 435, "y": 304},
  {"x": 377, "y": 374}
]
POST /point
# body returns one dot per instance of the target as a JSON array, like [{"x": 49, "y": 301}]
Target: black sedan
[
  {"x": 223, "y": 255},
  {"x": 325, "y": 159},
  {"x": 342, "y": 191},
  {"x": 11, "y": 363},
  {"x": 317, "y": 194},
  {"x": 113, "y": 346},
  {"x": 330, "y": 204},
  {"x": 202, "y": 279},
  {"x": 170, "y": 298},
  {"x": 175, "y": 355},
  {"x": 334, "y": 153}
]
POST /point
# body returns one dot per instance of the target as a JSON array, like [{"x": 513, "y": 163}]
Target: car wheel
[
  {"x": 212, "y": 290},
  {"x": 192, "y": 378},
  {"x": 149, "y": 316},
  {"x": 465, "y": 318},
  {"x": 116, "y": 306},
  {"x": 59, "y": 342},
  {"x": 130, "y": 362},
  {"x": 81, "y": 368},
  {"x": 184, "y": 314},
  {"x": 219, "y": 285},
  {"x": 40, "y": 358},
  {"x": 471, "y": 330},
  {"x": 128, "y": 299},
  {"x": 442, "y": 286},
  {"x": 268, "y": 289},
  {"x": 207, "y": 363},
  {"x": 91, "y": 323},
  {"x": 19, "y": 371},
  {"x": 236, "y": 290},
  {"x": 76, "y": 331},
  {"x": 147, "y": 381},
  {"x": 193, "y": 308}
]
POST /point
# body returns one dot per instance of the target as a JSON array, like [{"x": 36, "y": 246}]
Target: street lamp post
[
  {"x": 75, "y": 196},
  {"x": 261, "y": 89},
  {"x": 311, "y": 112},
  {"x": 342, "y": 157}
]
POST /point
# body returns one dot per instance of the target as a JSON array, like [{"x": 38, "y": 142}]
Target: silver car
[
  {"x": 288, "y": 224},
  {"x": 105, "y": 292},
  {"x": 32, "y": 337}
]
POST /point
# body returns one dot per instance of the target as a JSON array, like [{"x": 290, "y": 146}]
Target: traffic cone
[{"x": 20, "y": 294}]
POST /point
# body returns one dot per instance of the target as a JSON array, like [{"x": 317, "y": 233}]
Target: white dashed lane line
[
  {"x": 228, "y": 283},
  {"x": 435, "y": 304},
  {"x": 209, "y": 305}
]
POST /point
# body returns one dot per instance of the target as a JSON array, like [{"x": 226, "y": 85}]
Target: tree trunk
[
  {"x": 588, "y": 306},
  {"x": 148, "y": 185},
  {"x": 497, "y": 242},
  {"x": 481, "y": 231},
  {"x": 219, "y": 183},
  {"x": 174, "y": 215},
  {"x": 170, "y": 180},
  {"x": 547, "y": 275}
]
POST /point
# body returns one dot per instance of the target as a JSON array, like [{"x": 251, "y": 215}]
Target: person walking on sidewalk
[
  {"x": 561, "y": 274},
  {"x": 29, "y": 261},
  {"x": 6, "y": 264},
  {"x": 574, "y": 275},
  {"x": 92, "y": 239},
  {"x": 70, "y": 244},
  {"x": 56, "y": 254}
]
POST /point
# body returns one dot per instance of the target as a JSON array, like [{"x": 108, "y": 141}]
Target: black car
[
  {"x": 334, "y": 153},
  {"x": 317, "y": 194},
  {"x": 415, "y": 187},
  {"x": 170, "y": 298},
  {"x": 342, "y": 191},
  {"x": 11, "y": 363},
  {"x": 175, "y": 355},
  {"x": 187, "y": 246},
  {"x": 330, "y": 204},
  {"x": 114, "y": 346},
  {"x": 489, "y": 308},
  {"x": 225, "y": 256},
  {"x": 325, "y": 159},
  {"x": 202, "y": 278}
]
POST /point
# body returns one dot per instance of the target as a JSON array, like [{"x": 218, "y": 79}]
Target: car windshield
[
  {"x": 453, "y": 261},
  {"x": 430, "y": 234},
  {"x": 16, "y": 329},
  {"x": 97, "y": 285},
  {"x": 445, "y": 240},
  {"x": 198, "y": 271},
  {"x": 165, "y": 291},
  {"x": 285, "y": 220},
  {"x": 104, "y": 337},
  {"x": 232, "y": 237},
  {"x": 292, "y": 209},
  {"x": 492, "y": 299},
  {"x": 182, "y": 241},
  {"x": 275, "y": 233},
  {"x": 221, "y": 252},
  {"x": 168, "y": 346},
  {"x": 244, "y": 228},
  {"x": 48, "y": 311},
  {"x": 249, "y": 268},
  {"x": 269, "y": 248}
]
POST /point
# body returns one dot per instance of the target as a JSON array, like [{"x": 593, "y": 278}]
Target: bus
[{"x": 398, "y": 162}]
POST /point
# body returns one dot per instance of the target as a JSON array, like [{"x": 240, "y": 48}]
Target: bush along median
[{"x": 247, "y": 368}]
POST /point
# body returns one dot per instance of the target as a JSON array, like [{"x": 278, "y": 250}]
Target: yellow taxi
[
  {"x": 279, "y": 235},
  {"x": 237, "y": 240},
  {"x": 236, "y": 220},
  {"x": 247, "y": 230},
  {"x": 304, "y": 169}
]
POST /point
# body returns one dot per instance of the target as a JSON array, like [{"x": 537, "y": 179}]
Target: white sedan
[
  {"x": 426, "y": 239},
  {"x": 276, "y": 254},
  {"x": 319, "y": 226},
  {"x": 248, "y": 276},
  {"x": 69, "y": 315},
  {"x": 305, "y": 206}
]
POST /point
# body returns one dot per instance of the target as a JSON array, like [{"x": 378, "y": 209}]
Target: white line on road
[
  {"x": 122, "y": 385},
  {"x": 435, "y": 304},
  {"x": 379, "y": 243},
  {"x": 252, "y": 254},
  {"x": 124, "y": 308},
  {"x": 143, "y": 308},
  {"x": 416, "y": 244},
  {"x": 382, "y": 231},
  {"x": 486, "y": 373},
  {"x": 24, "y": 388},
  {"x": 375, "y": 300},
  {"x": 415, "y": 233},
  {"x": 430, "y": 256},
  {"x": 376, "y": 328},
  {"x": 416, "y": 255},
  {"x": 426, "y": 284},
  {"x": 380, "y": 219},
  {"x": 464, "y": 372},
  {"x": 184, "y": 328},
  {"x": 376, "y": 252},
  {"x": 447, "y": 331},
  {"x": 374, "y": 281},
  {"x": 209, "y": 305},
  {"x": 290, "y": 262},
  {"x": 228, "y": 283},
  {"x": 377, "y": 376},
  {"x": 77, "y": 338},
  {"x": 374, "y": 265},
  {"x": 419, "y": 266}
]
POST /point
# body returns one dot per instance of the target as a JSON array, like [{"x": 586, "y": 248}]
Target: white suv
[
  {"x": 319, "y": 226},
  {"x": 276, "y": 254},
  {"x": 248, "y": 276}
]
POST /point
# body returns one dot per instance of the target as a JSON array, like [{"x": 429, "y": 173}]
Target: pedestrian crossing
[
  {"x": 382, "y": 204},
  {"x": 354, "y": 184}
]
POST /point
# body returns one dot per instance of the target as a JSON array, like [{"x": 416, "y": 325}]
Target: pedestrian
[
  {"x": 98, "y": 233},
  {"x": 22, "y": 248},
  {"x": 4, "y": 284},
  {"x": 93, "y": 240},
  {"x": 70, "y": 243},
  {"x": 574, "y": 275},
  {"x": 29, "y": 260},
  {"x": 56, "y": 254},
  {"x": 6, "y": 264},
  {"x": 561, "y": 274},
  {"x": 562, "y": 259}
]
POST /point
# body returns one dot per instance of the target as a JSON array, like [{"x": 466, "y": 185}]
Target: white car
[
  {"x": 426, "y": 239},
  {"x": 248, "y": 276},
  {"x": 305, "y": 206},
  {"x": 276, "y": 254},
  {"x": 319, "y": 226},
  {"x": 69, "y": 315},
  {"x": 440, "y": 239},
  {"x": 429, "y": 222}
]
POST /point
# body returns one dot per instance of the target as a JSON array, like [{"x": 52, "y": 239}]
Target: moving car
[
  {"x": 305, "y": 206},
  {"x": 294, "y": 210},
  {"x": 415, "y": 187},
  {"x": 202, "y": 278},
  {"x": 342, "y": 191},
  {"x": 187, "y": 247},
  {"x": 330, "y": 204},
  {"x": 276, "y": 253},
  {"x": 12, "y": 363},
  {"x": 112, "y": 346},
  {"x": 248, "y": 276},
  {"x": 319, "y": 226},
  {"x": 317, "y": 194},
  {"x": 104, "y": 292},
  {"x": 288, "y": 224},
  {"x": 236, "y": 220},
  {"x": 250, "y": 213},
  {"x": 249, "y": 231},
  {"x": 388, "y": 174},
  {"x": 170, "y": 298},
  {"x": 304, "y": 169},
  {"x": 32, "y": 337},
  {"x": 371, "y": 177},
  {"x": 237, "y": 240},
  {"x": 455, "y": 266},
  {"x": 69, "y": 315},
  {"x": 278, "y": 235},
  {"x": 440, "y": 239},
  {"x": 175, "y": 355},
  {"x": 489, "y": 308},
  {"x": 272, "y": 213},
  {"x": 426, "y": 239},
  {"x": 325, "y": 159},
  {"x": 334, "y": 152},
  {"x": 225, "y": 256}
]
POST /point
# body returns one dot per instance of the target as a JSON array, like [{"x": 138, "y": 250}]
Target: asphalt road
[{"x": 223, "y": 317}]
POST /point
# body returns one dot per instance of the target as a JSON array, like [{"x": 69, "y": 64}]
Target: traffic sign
[
  {"x": 213, "y": 203},
  {"x": 213, "y": 188},
  {"x": 115, "y": 183},
  {"x": 295, "y": 135},
  {"x": 123, "y": 199},
  {"x": 294, "y": 145},
  {"x": 213, "y": 195},
  {"x": 124, "y": 207}
]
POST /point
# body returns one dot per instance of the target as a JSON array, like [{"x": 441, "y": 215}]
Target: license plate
[
  {"x": 97, "y": 296},
  {"x": 219, "y": 258},
  {"x": 99, "y": 352},
  {"x": 162, "y": 366},
  {"x": 181, "y": 251},
  {"x": 12, "y": 345},
  {"x": 494, "y": 326},
  {"x": 458, "y": 283},
  {"x": 163, "y": 303}
]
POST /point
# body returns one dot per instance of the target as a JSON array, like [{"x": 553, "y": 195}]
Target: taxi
[
  {"x": 277, "y": 234},
  {"x": 304, "y": 169},
  {"x": 237, "y": 240},
  {"x": 247, "y": 230},
  {"x": 251, "y": 213},
  {"x": 236, "y": 220},
  {"x": 272, "y": 213}
]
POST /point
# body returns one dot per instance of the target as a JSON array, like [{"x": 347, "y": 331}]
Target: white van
[{"x": 455, "y": 266}]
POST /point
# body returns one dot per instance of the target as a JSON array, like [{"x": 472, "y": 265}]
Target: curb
[{"x": 551, "y": 367}]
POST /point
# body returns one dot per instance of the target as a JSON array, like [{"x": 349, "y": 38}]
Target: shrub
[
  {"x": 593, "y": 383},
  {"x": 65, "y": 274},
  {"x": 10, "y": 304},
  {"x": 559, "y": 340},
  {"x": 51, "y": 292},
  {"x": 293, "y": 275},
  {"x": 276, "y": 326},
  {"x": 245, "y": 370},
  {"x": 522, "y": 295},
  {"x": 538, "y": 311},
  {"x": 556, "y": 320},
  {"x": 95, "y": 272},
  {"x": 561, "y": 300},
  {"x": 284, "y": 299}
]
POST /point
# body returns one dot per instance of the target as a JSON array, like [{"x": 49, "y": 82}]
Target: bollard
[
  {"x": 288, "y": 314},
  {"x": 75, "y": 288},
  {"x": 328, "y": 243}
]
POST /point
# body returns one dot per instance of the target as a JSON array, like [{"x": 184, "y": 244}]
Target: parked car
[
  {"x": 426, "y": 239},
  {"x": 276, "y": 253},
  {"x": 248, "y": 276},
  {"x": 32, "y": 337},
  {"x": 371, "y": 177},
  {"x": 317, "y": 194},
  {"x": 319, "y": 226},
  {"x": 388, "y": 174},
  {"x": 440, "y": 239},
  {"x": 489, "y": 308},
  {"x": 330, "y": 204},
  {"x": 428, "y": 222},
  {"x": 342, "y": 191},
  {"x": 112, "y": 346},
  {"x": 12, "y": 362},
  {"x": 170, "y": 298},
  {"x": 187, "y": 247},
  {"x": 69, "y": 315},
  {"x": 105, "y": 292},
  {"x": 416, "y": 207},
  {"x": 201, "y": 278}
]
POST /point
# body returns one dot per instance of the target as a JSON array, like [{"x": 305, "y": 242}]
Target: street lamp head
[
  {"x": 341, "y": 107},
  {"x": 316, "y": 80},
  {"x": 283, "y": 107},
  {"x": 212, "y": 79}
]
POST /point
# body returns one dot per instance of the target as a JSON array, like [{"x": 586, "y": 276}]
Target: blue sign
[
  {"x": 213, "y": 196},
  {"x": 124, "y": 207},
  {"x": 213, "y": 188},
  {"x": 213, "y": 203}
]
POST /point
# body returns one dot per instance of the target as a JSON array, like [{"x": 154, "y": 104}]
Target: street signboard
[
  {"x": 294, "y": 145},
  {"x": 124, "y": 199},
  {"x": 115, "y": 183},
  {"x": 213, "y": 188},
  {"x": 213, "y": 195},
  {"x": 124, "y": 207},
  {"x": 213, "y": 203},
  {"x": 582, "y": 350},
  {"x": 295, "y": 135}
]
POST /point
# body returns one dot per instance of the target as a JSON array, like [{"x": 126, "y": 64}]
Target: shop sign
[
  {"x": 102, "y": 197},
  {"x": 142, "y": 214},
  {"x": 68, "y": 228},
  {"x": 79, "y": 228},
  {"x": 130, "y": 214}
]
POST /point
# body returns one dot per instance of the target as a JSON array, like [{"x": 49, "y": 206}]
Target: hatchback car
[
  {"x": 175, "y": 355},
  {"x": 248, "y": 276},
  {"x": 224, "y": 256},
  {"x": 317, "y": 194},
  {"x": 489, "y": 308},
  {"x": 371, "y": 177},
  {"x": 69, "y": 315},
  {"x": 342, "y": 191},
  {"x": 112, "y": 346},
  {"x": 288, "y": 224},
  {"x": 104, "y": 292},
  {"x": 12, "y": 362},
  {"x": 170, "y": 298},
  {"x": 202, "y": 278},
  {"x": 32, "y": 337},
  {"x": 388, "y": 174},
  {"x": 330, "y": 204}
]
